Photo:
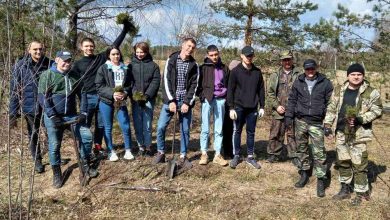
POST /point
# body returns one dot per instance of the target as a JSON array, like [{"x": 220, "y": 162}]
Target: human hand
[
  {"x": 184, "y": 108},
  {"x": 233, "y": 114},
  {"x": 172, "y": 107},
  {"x": 281, "y": 110}
]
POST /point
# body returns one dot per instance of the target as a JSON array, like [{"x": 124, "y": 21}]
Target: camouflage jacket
[
  {"x": 368, "y": 102},
  {"x": 272, "y": 91}
]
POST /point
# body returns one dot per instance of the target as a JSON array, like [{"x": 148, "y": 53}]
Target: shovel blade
[{"x": 171, "y": 168}]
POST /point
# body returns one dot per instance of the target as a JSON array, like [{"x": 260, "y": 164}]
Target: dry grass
[{"x": 205, "y": 192}]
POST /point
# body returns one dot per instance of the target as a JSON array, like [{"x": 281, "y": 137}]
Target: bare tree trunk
[
  {"x": 248, "y": 27},
  {"x": 72, "y": 31}
]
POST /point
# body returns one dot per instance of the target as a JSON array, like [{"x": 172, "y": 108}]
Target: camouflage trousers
[
  {"x": 352, "y": 161},
  {"x": 303, "y": 131},
  {"x": 276, "y": 138}
]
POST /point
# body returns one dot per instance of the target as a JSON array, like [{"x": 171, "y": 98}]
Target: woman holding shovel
[
  {"x": 146, "y": 75},
  {"x": 113, "y": 83}
]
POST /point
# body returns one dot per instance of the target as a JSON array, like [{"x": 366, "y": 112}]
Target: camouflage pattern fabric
[
  {"x": 303, "y": 131},
  {"x": 276, "y": 139}
]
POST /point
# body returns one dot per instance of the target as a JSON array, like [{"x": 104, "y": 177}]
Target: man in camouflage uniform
[
  {"x": 279, "y": 86},
  {"x": 307, "y": 102},
  {"x": 353, "y": 131}
]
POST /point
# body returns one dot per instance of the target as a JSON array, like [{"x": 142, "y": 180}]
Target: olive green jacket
[{"x": 369, "y": 108}]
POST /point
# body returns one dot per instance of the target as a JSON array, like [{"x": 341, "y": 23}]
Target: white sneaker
[
  {"x": 113, "y": 157},
  {"x": 128, "y": 155}
]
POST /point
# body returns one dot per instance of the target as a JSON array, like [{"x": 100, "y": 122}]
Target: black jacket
[
  {"x": 24, "y": 85},
  {"x": 246, "y": 88},
  {"x": 309, "y": 107},
  {"x": 146, "y": 76},
  {"x": 207, "y": 76},
  {"x": 105, "y": 84},
  {"x": 170, "y": 80}
]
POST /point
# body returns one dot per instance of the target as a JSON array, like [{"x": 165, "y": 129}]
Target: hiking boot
[
  {"x": 57, "y": 176},
  {"x": 128, "y": 155},
  {"x": 359, "y": 198},
  {"x": 204, "y": 159},
  {"x": 345, "y": 192},
  {"x": 235, "y": 161},
  {"x": 184, "y": 163},
  {"x": 89, "y": 170},
  {"x": 253, "y": 163},
  {"x": 39, "y": 168},
  {"x": 296, "y": 162},
  {"x": 218, "y": 159},
  {"x": 303, "y": 180},
  {"x": 112, "y": 156},
  {"x": 160, "y": 158},
  {"x": 321, "y": 187},
  {"x": 272, "y": 159}
]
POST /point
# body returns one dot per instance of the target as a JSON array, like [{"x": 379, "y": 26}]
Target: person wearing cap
[
  {"x": 57, "y": 91},
  {"x": 245, "y": 94},
  {"x": 306, "y": 108},
  {"x": 24, "y": 96},
  {"x": 353, "y": 132},
  {"x": 212, "y": 90},
  {"x": 279, "y": 86}
]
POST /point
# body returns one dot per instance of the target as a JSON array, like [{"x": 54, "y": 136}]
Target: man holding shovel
[
  {"x": 354, "y": 106},
  {"x": 57, "y": 93}
]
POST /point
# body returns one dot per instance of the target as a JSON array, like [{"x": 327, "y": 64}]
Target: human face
[
  {"x": 63, "y": 65},
  {"x": 36, "y": 51},
  {"x": 140, "y": 54},
  {"x": 88, "y": 48},
  {"x": 115, "y": 56},
  {"x": 355, "y": 79},
  {"x": 287, "y": 63},
  {"x": 247, "y": 60},
  {"x": 187, "y": 48},
  {"x": 310, "y": 72},
  {"x": 213, "y": 56}
]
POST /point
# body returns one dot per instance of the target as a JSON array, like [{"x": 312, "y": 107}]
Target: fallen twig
[{"x": 145, "y": 188}]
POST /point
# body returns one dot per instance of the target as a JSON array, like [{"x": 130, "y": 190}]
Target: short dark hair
[
  {"x": 143, "y": 46},
  {"x": 108, "y": 51},
  {"x": 189, "y": 39},
  {"x": 87, "y": 39},
  {"x": 212, "y": 47}
]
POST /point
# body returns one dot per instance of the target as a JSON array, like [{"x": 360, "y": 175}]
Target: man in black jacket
[
  {"x": 181, "y": 76},
  {"x": 245, "y": 94},
  {"x": 307, "y": 102},
  {"x": 212, "y": 90},
  {"x": 24, "y": 95},
  {"x": 86, "y": 68}
]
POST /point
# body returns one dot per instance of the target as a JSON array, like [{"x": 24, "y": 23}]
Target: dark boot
[
  {"x": 321, "y": 187},
  {"x": 89, "y": 170},
  {"x": 359, "y": 198},
  {"x": 39, "y": 168},
  {"x": 303, "y": 180},
  {"x": 345, "y": 192},
  {"x": 57, "y": 176}
]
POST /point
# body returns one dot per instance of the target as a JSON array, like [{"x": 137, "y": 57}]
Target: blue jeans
[
  {"x": 55, "y": 135},
  {"x": 122, "y": 115},
  {"x": 248, "y": 117},
  {"x": 142, "y": 122},
  {"x": 93, "y": 110},
  {"x": 162, "y": 124},
  {"x": 218, "y": 108}
]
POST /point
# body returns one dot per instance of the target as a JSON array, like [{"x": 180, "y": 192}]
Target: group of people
[{"x": 304, "y": 108}]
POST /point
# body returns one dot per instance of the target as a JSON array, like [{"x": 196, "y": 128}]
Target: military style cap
[{"x": 285, "y": 54}]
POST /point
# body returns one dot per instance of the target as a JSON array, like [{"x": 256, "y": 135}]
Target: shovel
[
  {"x": 83, "y": 177},
  {"x": 172, "y": 164}
]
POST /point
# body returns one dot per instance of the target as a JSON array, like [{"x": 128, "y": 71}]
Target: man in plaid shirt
[{"x": 181, "y": 76}]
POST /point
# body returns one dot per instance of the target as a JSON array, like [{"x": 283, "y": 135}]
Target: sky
[{"x": 160, "y": 24}]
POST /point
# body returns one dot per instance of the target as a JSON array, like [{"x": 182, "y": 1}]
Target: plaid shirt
[{"x": 182, "y": 69}]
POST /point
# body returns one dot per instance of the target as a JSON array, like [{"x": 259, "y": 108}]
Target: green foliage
[
  {"x": 139, "y": 96},
  {"x": 351, "y": 111},
  {"x": 118, "y": 89}
]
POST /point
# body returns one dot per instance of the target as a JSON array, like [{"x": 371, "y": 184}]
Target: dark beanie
[{"x": 356, "y": 67}]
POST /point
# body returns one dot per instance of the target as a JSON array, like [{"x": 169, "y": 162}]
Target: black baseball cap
[
  {"x": 248, "y": 51},
  {"x": 64, "y": 55},
  {"x": 309, "y": 63}
]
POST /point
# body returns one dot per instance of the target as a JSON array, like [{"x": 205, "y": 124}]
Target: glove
[
  {"x": 82, "y": 118},
  {"x": 57, "y": 121},
  {"x": 233, "y": 114},
  {"x": 142, "y": 103},
  {"x": 261, "y": 113},
  {"x": 327, "y": 130},
  {"x": 13, "y": 121},
  {"x": 288, "y": 122},
  {"x": 129, "y": 26}
]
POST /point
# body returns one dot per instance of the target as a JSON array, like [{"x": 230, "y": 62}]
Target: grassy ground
[{"x": 204, "y": 192}]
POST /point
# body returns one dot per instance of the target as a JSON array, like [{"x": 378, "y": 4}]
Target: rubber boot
[
  {"x": 320, "y": 187},
  {"x": 57, "y": 176},
  {"x": 345, "y": 192},
  {"x": 39, "y": 168},
  {"x": 303, "y": 180}
]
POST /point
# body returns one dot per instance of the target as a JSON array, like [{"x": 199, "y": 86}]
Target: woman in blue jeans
[
  {"x": 146, "y": 76},
  {"x": 113, "y": 83}
]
